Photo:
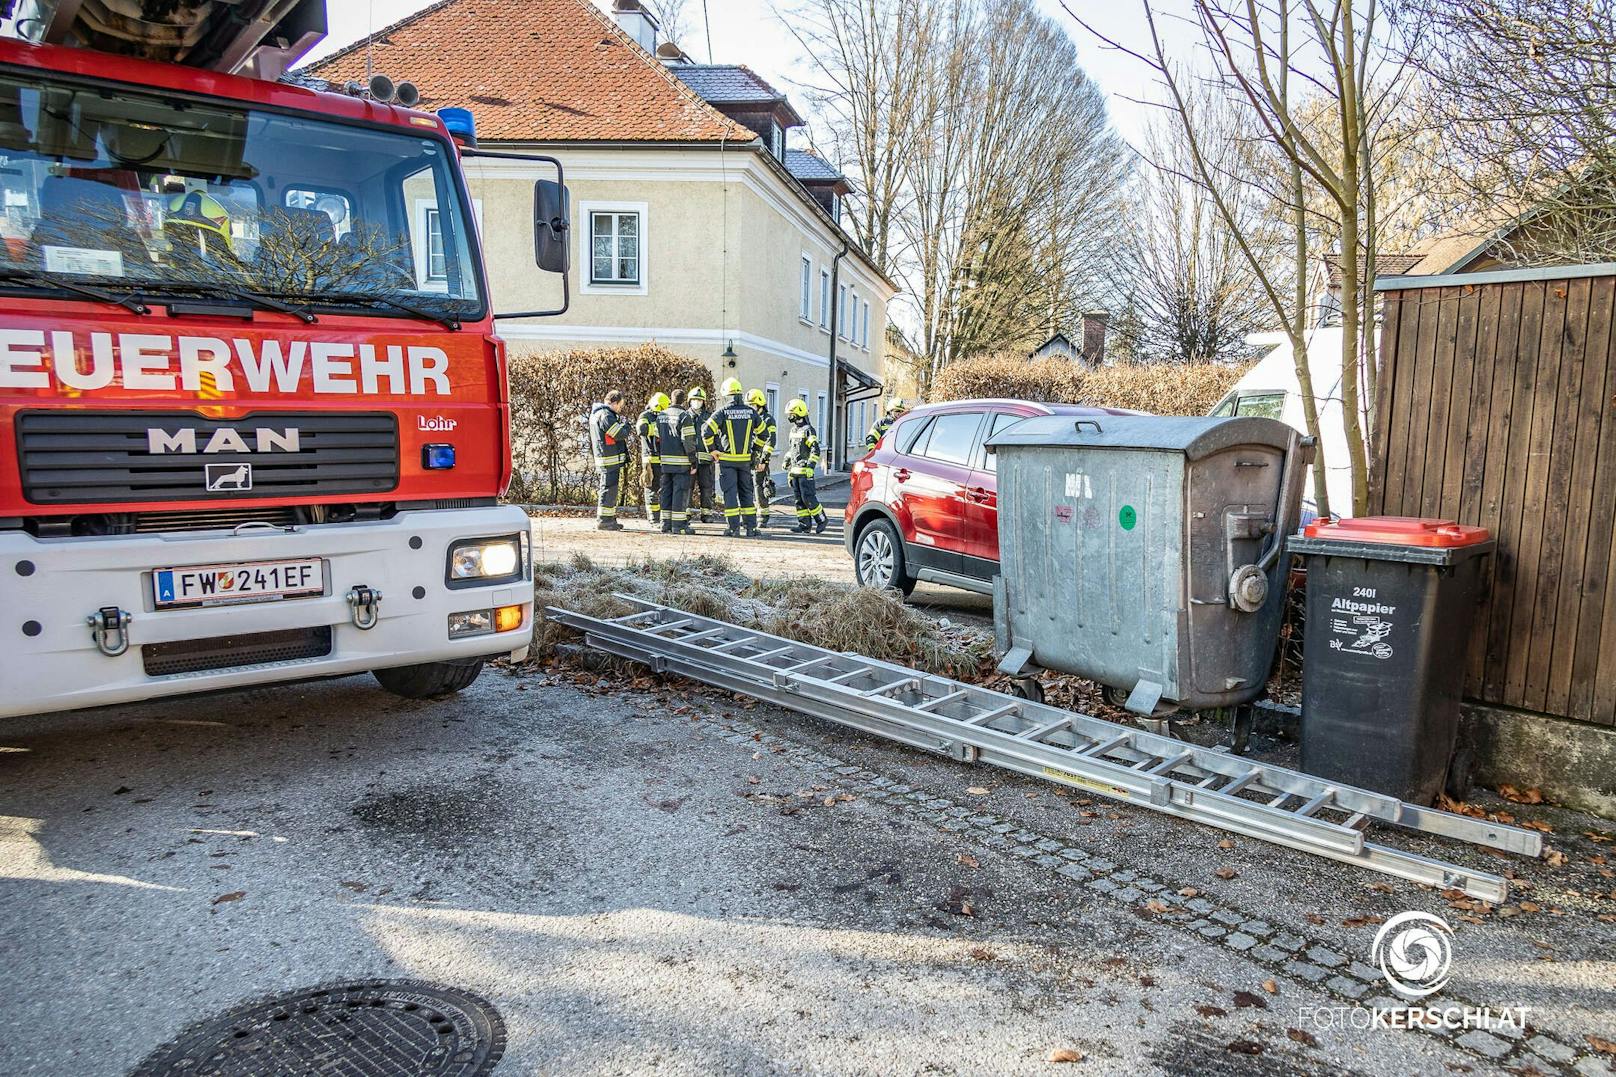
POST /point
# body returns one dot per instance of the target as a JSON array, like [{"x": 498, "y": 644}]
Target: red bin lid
[{"x": 1399, "y": 531}]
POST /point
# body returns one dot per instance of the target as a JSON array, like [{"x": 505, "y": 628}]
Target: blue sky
[{"x": 747, "y": 31}]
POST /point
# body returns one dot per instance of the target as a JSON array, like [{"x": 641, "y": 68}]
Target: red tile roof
[{"x": 536, "y": 70}]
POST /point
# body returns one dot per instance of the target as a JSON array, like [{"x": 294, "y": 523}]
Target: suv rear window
[{"x": 951, "y": 439}]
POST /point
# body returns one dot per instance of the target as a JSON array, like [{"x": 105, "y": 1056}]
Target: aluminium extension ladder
[{"x": 975, "y": 725}]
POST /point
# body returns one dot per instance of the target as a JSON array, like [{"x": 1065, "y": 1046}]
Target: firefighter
[
  {"x": 763, "y": 459},
  {"x": 701, "y": 490},
  {"x": 676, "y": 436},
  {"x": 895, "y": 408},
  {"x": 802, "y": 458},
  {"x": 650, "y": 463},
  {"x": 606, "y": 437},
  {"x": 732, "y": 434}
]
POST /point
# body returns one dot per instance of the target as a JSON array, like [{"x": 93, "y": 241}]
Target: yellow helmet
[
  {"x": 896, "y": 406},
  {"x": 756, "y": 398},
  {"x": 198, "y": 217},
  {"x": 732, "y": 387},
  {"x": 797, "y": 409},
  {"x": 697, "y": 393},
  {"x": 659, "y": 402}
]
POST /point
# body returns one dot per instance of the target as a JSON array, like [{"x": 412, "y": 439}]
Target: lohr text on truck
[{"x": 253, "y": 411}]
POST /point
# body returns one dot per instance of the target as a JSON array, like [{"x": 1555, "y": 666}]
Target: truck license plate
[{"x": 245, "y": 581}]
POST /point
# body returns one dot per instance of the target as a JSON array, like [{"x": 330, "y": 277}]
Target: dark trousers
[
  {"x": 675, "y": 496},
  {"x": 760, "y": 492},
  {"x": 735, "y": 480},
  {"x": 611, "y": 489},
  {"x": 701, "y": 491},
  {"x": 803, "y": 488}
]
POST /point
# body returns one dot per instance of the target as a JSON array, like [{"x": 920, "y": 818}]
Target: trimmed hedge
[
  {"x": 551, "y": 394},
  {"x": 1159, "y": 388}
]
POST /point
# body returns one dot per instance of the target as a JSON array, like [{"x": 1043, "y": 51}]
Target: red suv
[{"x": 924, "y": 503}]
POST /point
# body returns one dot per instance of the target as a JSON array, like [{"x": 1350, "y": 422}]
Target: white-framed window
[
  {"x": 805, "y": 307},
  {"x": 824, "y": 300},
  {"x": 431, "y": 266},
  {"x": 771, "y": 392},
  {"x": 612, "y": 248},
  {"x": 864, "y": 328},
  {"x": 841, "y": 311},
  {"x": 777, "y": 141},
  {"x": 819, "y": 411}
]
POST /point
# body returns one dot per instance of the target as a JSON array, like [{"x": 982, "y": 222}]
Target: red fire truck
[{"x": 253, "y": 411}]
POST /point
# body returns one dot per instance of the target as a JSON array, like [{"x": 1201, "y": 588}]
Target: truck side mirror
[{"x": 551, "y": 223}]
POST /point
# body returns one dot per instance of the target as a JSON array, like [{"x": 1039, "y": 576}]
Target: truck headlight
[{"x": 486, "y": 560}]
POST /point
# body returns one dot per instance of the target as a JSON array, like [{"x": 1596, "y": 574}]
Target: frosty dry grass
[
  {"x": 1161, "y": 389},
  {"x": 835, "y": 616},
  {"x": 551, "y": 394}
]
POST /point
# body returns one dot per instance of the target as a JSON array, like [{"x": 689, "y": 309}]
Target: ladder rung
[
  {"x": 772, "y": 654},
  {"x": 703, "y": 634},
  {"x": 1101, "y": 747},
  {"x": 727, "y": 644},
  {"x": 668, "y": 626},
  {"x": 1239, "y": 783},
  {"x": 630, "y": 618},
  {"x": 938, "y": 701},
  {"x": 997, "y": 712},
  {"x": 1356, "y": 821},
  {"x": 800, "y": 666},
  {"x": 1280, "y": 799},
  {"x": 883, "y": 689},
  {"x": 1316, "y": 803},
  {"x": 849, "y": 675},
  {"x": 1043, "y": 731},
  {"x": 1167, "y": 766}
]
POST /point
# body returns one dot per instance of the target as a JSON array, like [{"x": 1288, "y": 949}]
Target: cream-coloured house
[{"x": 695, "y": 227}]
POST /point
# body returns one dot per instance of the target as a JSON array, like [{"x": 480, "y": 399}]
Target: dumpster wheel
[
  {"x": 1118, "y": 697},
  {"x": 1028, "y": 688}
]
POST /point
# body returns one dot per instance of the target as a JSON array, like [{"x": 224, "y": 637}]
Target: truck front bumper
[{"x": 50, "y": 659}]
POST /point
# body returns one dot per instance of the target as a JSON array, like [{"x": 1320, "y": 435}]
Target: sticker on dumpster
[
  {"x": 1128, "y": 517},
  {"x": 1361, "y": 627},
  {"x": 1079, "y": 485},
  {"x": 1063, "y": 513}
]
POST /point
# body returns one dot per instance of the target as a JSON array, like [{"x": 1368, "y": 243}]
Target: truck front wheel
[{"x": 429, "y": 680}]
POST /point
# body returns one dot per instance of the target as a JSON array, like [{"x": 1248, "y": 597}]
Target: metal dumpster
[{"x": 1144, "y": 552}]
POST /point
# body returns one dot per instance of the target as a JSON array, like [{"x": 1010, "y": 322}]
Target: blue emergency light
[
  {"x": 461, "y": 124},
  {"x": 437, "y": 457}
]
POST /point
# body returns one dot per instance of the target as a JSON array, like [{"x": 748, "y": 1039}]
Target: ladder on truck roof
[{"x": 975, "y": 725}]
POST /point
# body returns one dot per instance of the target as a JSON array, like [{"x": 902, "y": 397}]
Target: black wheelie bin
[{"x": 1390, "y": 605}]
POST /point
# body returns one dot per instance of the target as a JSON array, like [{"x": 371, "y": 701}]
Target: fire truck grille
[
  {"x": 231, "y": 652},
  {"x": 96, "y": 457}
]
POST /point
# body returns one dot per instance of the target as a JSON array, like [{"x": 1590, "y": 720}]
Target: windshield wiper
[
  {"x": 129, "y": 302},
  {"x": 219, "y": 288},
  {"x": 448, "y": 321}
]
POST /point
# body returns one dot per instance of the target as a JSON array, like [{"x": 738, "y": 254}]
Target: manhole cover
[{"x": 383, "y": 1027}]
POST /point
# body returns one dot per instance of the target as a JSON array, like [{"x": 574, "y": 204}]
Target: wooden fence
[{"x": 1497, "y": 407}]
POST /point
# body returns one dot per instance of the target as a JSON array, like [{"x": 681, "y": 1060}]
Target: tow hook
[
  {"x": 365, "y": 602},
  {"x": 109, "y": 626}
]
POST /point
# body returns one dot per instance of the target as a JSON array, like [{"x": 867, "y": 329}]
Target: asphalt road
[{"x": 645, "y": 875}]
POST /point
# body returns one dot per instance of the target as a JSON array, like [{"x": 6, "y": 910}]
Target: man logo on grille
[
  {"x": 229, "y": 477},
  {"x": 1414, "y": 950}
]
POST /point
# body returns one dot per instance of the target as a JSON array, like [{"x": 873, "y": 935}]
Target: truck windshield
[{"x": 139, "y": 195}]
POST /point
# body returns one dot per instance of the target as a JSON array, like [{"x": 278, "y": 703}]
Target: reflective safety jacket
[
  {"x": 802, "y": 455},
  {"x": 733, "y": 433},
  {"x": 676, "y": 437},
  {"x": 606, "y": 435},
  {"x": 700, "y": 416},
  {"x": 771, "y": 436},
  {"x": 647, "y": 429},
  {"x": 882, "y": 425}
]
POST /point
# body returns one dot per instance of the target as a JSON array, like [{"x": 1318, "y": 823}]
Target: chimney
[
  {"x": 1094, "y": 326},
  {"x": 635, "y": 19}
]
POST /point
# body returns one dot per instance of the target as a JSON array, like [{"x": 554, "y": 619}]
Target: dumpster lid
[
  {"x": 1399, "y": 531},
  {"x": 1195, "y": 437}
]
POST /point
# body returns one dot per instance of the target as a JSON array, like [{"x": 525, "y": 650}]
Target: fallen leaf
[
  {"x": 1554, "y": 858},
  {"x": 1156, "y": 906},
  {"x": 1147, "y": 981},
  {"x": 1226, "y": 844},
  {"x": 1245, "y": 1000},
  {"x": 1188, "y": 891},
  {"x": 1271, "y": 987},
  {"x": 982, "y": 953},
  {"x": 1362, "y": 921},
  {"x": 1384, "y": 888},
  {"x": 1531, "y": 906},
  {"x": 977, "y": 791},
  {"x": 1302, "y": 1036},
  {"x": 1540, "y": 826},
  {"x": 1226, "y": 873},
  {"x": 968, "y": 860},
  {"x": 1521, "y": 796},
  {"x": 1605, "y": 1047},
  {"x": 1313, "y": 918},
  {"x": 1244, "y": 1047},
  {"x": 1210, "y": 1011},
  {"x": 234, "y": 895},
  {"x": 1507, "y": 911},
  {"x": 1065, "y": 1054}
]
